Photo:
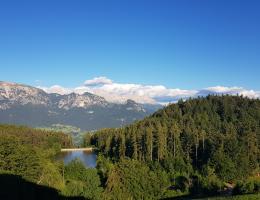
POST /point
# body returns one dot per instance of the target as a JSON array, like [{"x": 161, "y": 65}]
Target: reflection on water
[{"x": 88, "y": 158}]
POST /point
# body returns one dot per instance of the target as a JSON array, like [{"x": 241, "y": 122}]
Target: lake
[{"x": 89, "y": 158}]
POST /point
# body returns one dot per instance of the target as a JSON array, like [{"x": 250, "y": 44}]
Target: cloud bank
[
  {"x": 152, "y": 94},
  {"x": 102, "y": 80}
]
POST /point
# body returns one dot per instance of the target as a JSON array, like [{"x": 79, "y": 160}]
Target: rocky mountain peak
[
  {"x": 13, "y": 93},
  {"x": 132, "y": 105},
  {"x": 19, "y": 94},
  {"x": 85, "y": 100},
  {"x": 22, "y": 104}
]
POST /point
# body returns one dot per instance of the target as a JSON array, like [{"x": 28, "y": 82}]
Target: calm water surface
[{"x": 88, "y": 158}]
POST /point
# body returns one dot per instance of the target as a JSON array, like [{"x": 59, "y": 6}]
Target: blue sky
[{"x": 187, "y": 44}]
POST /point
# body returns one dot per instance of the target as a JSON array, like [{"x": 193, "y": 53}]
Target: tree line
[{"x": 206, "y": 142}]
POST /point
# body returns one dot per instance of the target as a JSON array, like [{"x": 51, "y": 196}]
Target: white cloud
[
  {"x": 231, "y": 91},
  {"x": 120, "y": 92},
  {"x": 56, "y": 89},
  {"x": 102, "y": 80}
]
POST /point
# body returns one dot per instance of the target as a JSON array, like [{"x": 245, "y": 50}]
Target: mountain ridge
[{"x": 24, "y": 104}]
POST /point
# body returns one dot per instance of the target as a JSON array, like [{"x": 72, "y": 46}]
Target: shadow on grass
[
  {"x": 184, "y": 197},
  {"x": 191, "y": 197},
  {"x": 14, "y": 187}
]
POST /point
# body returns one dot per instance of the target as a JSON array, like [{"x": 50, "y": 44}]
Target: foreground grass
[{"x": 239, "y": 197}]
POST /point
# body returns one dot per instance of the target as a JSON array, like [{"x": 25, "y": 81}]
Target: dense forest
[
  {"x": 203, "y": 146},
  {"x": 29, "y": 168},
  {"x": 30, "y": 153}
]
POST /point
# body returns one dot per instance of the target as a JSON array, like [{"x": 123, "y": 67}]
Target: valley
[{"x": 130, "y": 100}]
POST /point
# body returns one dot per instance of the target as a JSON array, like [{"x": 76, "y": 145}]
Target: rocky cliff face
[{"x": 13, "y": 94}]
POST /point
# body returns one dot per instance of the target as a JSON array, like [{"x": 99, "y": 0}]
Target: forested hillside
[
  {"x": 201, "y": 144},
  {"x": 29, "y": 153},
  {"x": 196, "y": 148},
  {"x": 29, "y": 168},
  {"x": 36, "y": 137}
]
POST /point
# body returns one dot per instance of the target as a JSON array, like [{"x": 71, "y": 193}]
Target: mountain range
[{"x": 27, "y": 105}]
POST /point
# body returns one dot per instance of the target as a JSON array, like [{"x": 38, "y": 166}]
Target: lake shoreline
[
  {"x": 89, "y": 149},
  {"x": 88, "y": 156}
]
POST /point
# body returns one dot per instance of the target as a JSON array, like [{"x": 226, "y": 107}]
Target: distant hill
[{"x": 23, "y": 104}]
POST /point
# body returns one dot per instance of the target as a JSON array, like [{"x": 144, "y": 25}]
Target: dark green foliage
[
  {"x": 224, "y": 166},
  {"x": 19, "y": 159},
  {"x": 248, "y": 187},
  {"x": 82, "y": 181},
  {"x": 36, "y": 137},
  {"x": 237, "y": 197},
  {"x": 14, "y": 187},
  {"x": 221, "y": 133},
  {"x": 131, "y": 179},
  {"x": 30, "y": 153},
  {"x": 104, "y": 166},
  {"x": 205, "y": 185}
]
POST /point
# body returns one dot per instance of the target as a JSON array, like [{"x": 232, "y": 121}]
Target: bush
[
  {"x": 205, "y": 185},
  {"x": 131, "y": 179},
  {"x": 82, "y": 181},
  {"x": 248, "y": 187}
]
